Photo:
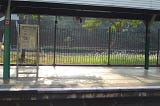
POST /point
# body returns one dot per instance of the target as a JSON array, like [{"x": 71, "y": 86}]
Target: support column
[
  {"x": 6, "y": 59},
  {"x": 147, "y": 41}
]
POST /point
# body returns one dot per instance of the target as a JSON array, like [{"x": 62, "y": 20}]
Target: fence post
[
  {"x": 109, "y": 45},
  {"x": 55, "y": 36},
  {"x": 6, "y": 62},
  {"x": 158, "y": 47},
  {"x": 147, "y": 41}
]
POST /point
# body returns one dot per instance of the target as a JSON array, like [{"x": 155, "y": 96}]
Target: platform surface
[{"x": 83, "y": 77}]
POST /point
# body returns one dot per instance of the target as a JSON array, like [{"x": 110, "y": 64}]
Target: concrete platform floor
[{"x": 83, "y": 77}]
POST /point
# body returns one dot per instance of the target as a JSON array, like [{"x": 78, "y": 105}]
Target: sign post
[{"x": 28, "y": 39}]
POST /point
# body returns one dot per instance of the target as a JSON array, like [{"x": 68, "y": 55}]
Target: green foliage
[
  {"x": 92, "y": 22},
  {"x": 24, "y": 16},
  {"x": 114, "y": 24}
]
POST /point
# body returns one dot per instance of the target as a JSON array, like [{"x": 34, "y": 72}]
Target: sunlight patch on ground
[{"x": 48, "y": 82}]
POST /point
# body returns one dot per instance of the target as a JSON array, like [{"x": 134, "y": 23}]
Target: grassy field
[{"x": 48, "y": 58}]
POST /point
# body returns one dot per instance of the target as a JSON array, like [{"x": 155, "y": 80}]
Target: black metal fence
[{"x": 60, "y": 45}]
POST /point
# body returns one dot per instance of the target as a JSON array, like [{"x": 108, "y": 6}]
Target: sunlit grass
[{"x": 48, "y": 59}]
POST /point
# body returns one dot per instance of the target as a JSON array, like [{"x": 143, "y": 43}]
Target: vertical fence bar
[
  {"x": 55, "y": 32},
  {"x": 17, "y": 62},
  {"x": 37, "y": 53},
  {"x": 158, "y": 48},
  {"x": 109, "y": 45}
]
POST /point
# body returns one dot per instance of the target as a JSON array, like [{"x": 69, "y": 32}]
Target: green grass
[
  {"x": 82, "y": 59},
  {"x": 47, "y": 59}
]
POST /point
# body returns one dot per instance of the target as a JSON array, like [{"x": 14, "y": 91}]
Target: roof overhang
[{"x": 33, "y": 7}]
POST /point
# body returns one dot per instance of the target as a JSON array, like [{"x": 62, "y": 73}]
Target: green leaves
[
  {"x": 114, "y": 24},
  {"x": 91, "y": 23},
  {"x": 24, "y": 16}
]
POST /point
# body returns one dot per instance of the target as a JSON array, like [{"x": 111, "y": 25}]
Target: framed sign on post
[
  {"x": 28, "y": 36},
  {"x": 28, "y": 39}
]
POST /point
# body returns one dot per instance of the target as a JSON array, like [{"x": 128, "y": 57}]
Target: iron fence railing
[{"x": 80, "y": 46}]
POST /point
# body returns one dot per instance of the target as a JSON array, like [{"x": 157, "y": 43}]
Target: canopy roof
[
  {"x": 128, "y": 9},
  {"x": 138, "y": 4}
]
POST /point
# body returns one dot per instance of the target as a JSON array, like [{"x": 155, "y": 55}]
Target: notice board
[{"x": 28, "y": 36}]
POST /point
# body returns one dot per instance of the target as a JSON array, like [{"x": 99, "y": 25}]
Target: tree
[{"x": 116, "y": 25}]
